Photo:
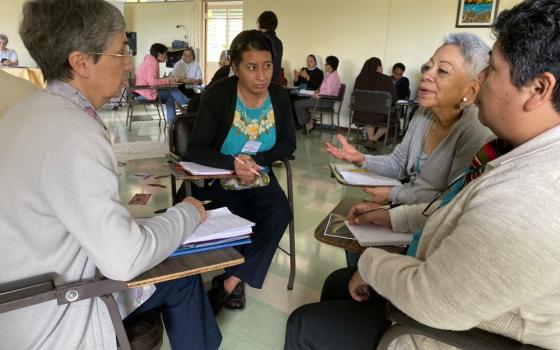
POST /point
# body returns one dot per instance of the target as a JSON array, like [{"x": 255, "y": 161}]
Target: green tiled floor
[{"x": 262, "y": 324}]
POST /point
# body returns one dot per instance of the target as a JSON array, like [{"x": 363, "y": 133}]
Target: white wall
[
  {"x": 354, "y": 30},
  {"x": 157, "y": 23},
  {"x": 10, "y": 17}
]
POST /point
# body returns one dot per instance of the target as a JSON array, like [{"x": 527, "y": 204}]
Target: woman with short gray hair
[
  {"x": 444, "y": 133},
  {"x": 442, "y": 139},
  {"x": 60, "y": 210},
  {"x": 8, "y": 58}
]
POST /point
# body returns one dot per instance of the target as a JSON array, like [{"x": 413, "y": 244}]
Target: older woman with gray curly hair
[
  {"x": 60, "y": 210},
  {"x": 443, "y": 135}
]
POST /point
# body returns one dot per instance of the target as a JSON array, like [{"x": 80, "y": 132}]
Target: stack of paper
[
  {"x": 221, "y": 229},
  {"x": 197, "y": 169},
  {"x": 361, "y": 177},
  {"x": 306, "y": 92},
  {"x": 369, "y": 235}
]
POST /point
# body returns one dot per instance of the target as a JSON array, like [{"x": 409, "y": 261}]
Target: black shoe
[
  {"x": 217, "y": 295},
  {"x": 236, "y": 300}
]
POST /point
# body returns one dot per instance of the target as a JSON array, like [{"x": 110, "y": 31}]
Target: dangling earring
[{"x": 464, "y": 104}]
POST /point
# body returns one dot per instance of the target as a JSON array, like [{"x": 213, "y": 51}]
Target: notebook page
[
  {"x": 361, "y": 177},
  {"x": 370, "y": 235},
  {"x": 220, "y": 223},
  {"x": 197, "y": 169}
]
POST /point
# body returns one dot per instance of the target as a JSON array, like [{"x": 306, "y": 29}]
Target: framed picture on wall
[{"x": 476, "y": 13}]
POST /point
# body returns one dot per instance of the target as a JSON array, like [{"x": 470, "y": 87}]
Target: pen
[
  {"x": 383, "y": 207},
  {"x": 242, "y": 162}
]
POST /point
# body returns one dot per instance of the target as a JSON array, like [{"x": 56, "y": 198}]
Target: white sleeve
[{"x": 79, "y": 181}]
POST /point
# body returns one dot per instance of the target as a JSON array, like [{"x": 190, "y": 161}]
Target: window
[
  {"x": 156, "y": 0},
  {"x": 223, "y": 21}
]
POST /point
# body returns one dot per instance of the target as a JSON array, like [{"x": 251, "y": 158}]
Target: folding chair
[
  {"x": 373, "y": 104},
  {"x": 142, "y": 333},
  {"x": 473, "y": 339},
  {"x": 331, "y": 109},
  {"x": 131, "y": 99},
  {"x": 179, "y": 135}
]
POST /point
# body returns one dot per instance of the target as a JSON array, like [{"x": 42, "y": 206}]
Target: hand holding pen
[
  {"x": 373, "y": 213},
  {"x": 246, "y": 168}
]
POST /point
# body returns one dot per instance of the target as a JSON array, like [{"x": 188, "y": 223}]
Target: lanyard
[{"x": 72, "y": 94}]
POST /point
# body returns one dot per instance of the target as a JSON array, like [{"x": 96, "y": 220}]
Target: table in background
[
  {"x": 33, "y": 75},
  {"x": 342, "y": 208}
]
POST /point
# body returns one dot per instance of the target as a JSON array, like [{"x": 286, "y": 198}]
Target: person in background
[
  {"x": 188, "y": 71},
  {"x": 8, "y": 58},
  {"x": 267, "y": 22},
  {"x": 224, "y": 58},
  {"x": 147, "y": 73},
  {"x": 225, "y": 68},
  {"x": 485, "y": 258},
  {"x": 309, "y": 77},
  {"x": 329, "y": 87},
  {"x": 60, "y": 210},
  {"x": 444, "y": 133},
  {"x": 223, "y": 72},
  {"x": 371, "y": 77},
  {"x": 13, "y": 89},
  {"x": 244, "y": 123},
  {"x": 401, "y": 82}
]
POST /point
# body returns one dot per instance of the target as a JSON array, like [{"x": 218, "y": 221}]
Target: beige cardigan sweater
[{"x": 491, "y": 257}]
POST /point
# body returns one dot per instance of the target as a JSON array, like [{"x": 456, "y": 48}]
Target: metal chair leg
[
  {"x": 120, "y": 332},
  {"x": 292, "y": 237}
]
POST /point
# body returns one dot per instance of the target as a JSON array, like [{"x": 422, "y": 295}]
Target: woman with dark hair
[
  {"x": 329, "y": 87},
  {"x": 372, "y": 78},
  {"x": 267, "y": 23},
  {"x": 147, "y": 73},
  {"x": 244, "y": 124},
  {"x": 309, "y": 77},
  {"x": 402, "y": 84}
]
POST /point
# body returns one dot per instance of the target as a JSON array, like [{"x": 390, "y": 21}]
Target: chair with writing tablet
[
  {"x": 472, "y": 339},
  {"x": 141, "y": 332},
  {"x": 144, "y": 332},
  {"x": 179, "y": 135}
]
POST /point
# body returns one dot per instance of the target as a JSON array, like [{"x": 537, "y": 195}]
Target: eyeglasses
[
  {"x": 127, "y": 55},
  {"x": 443, "y": 195}
]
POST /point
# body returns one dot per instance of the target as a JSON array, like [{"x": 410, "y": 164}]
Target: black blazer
[
  {"x": 315, "y": 79},
  {"x": 215, "y": 118}
]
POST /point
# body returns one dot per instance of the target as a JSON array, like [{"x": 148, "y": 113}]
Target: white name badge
[{"x": 251, "y": 147}]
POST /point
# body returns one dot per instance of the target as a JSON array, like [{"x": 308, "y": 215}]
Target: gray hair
[
  {"x": 475, "y": 51},
  {"x": 52, "y": 29},
  {"x": 4, "y": 37}
]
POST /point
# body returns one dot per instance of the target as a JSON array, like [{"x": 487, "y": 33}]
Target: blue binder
[{"x": 191, "y": 250}]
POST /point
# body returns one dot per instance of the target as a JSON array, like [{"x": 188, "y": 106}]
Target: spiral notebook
[{"x": 370, "y": 235}]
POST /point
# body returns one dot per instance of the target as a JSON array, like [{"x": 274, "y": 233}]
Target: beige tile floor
[{"x": 262, "y": 324}]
